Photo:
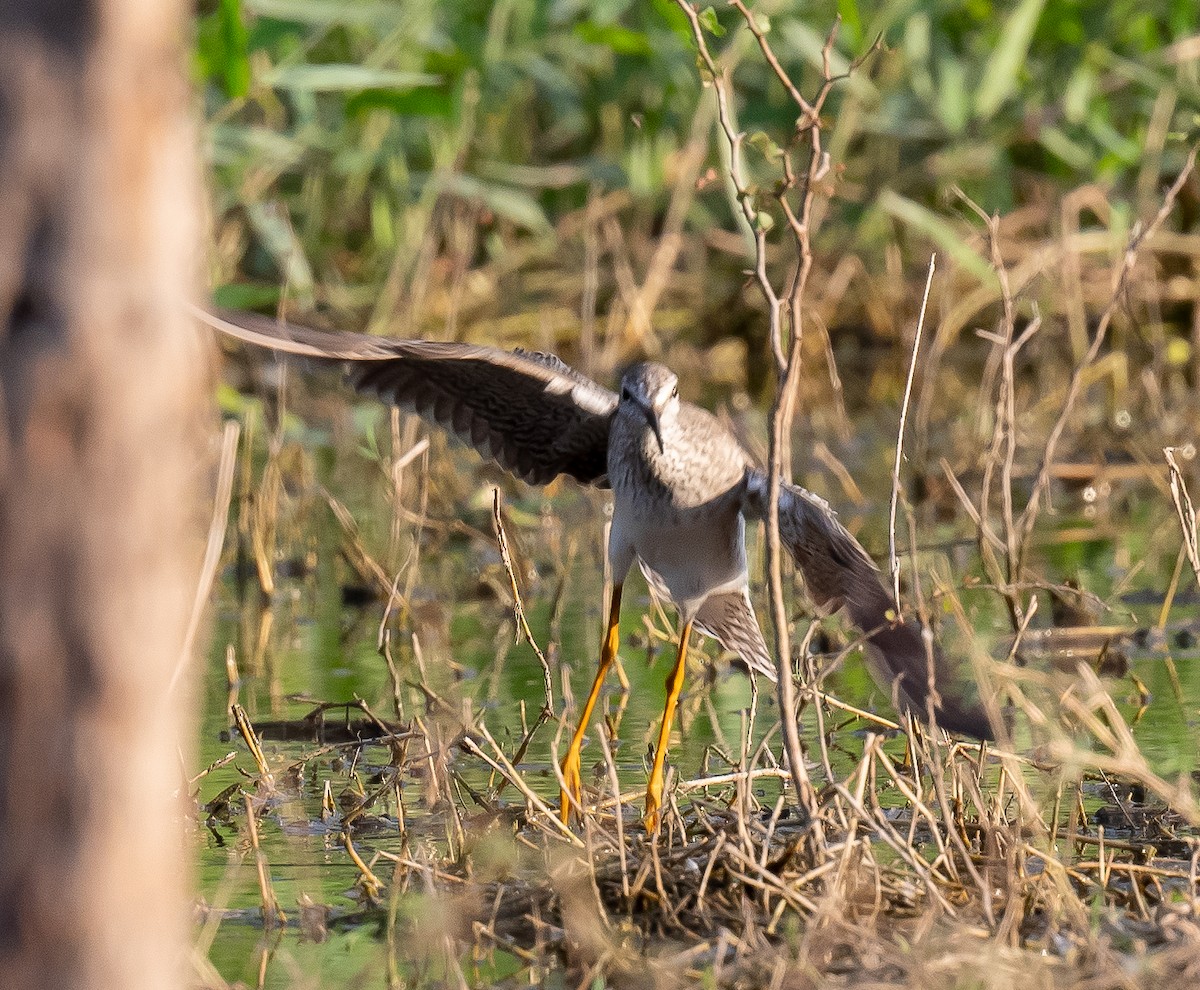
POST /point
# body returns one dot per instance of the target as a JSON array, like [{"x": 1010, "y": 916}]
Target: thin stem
[{"x": 893, "y": 558}]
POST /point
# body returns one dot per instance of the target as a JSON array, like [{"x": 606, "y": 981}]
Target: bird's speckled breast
[
  {"x": 699, "y": 471},
  {"x": 679, "y": 508}
]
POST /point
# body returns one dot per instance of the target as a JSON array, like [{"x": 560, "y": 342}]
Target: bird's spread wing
[
  {"x": 529, "y": 412},
  {"x": 839, "y": 573}
]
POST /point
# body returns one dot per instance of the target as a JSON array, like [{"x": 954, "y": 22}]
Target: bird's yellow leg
[
  {"x": 654, "y": 790},
  {"x": 572, "y": 777}
]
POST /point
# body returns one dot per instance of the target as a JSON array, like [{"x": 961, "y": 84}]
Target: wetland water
[{"x": 310, "y": 644}]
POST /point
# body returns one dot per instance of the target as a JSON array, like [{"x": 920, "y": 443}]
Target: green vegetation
[
  {"x": 360, "y": 149},
  {"x": 553, "y": 174}
]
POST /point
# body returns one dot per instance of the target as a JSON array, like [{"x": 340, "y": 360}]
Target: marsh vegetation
[{"x": 376, "y": 787}]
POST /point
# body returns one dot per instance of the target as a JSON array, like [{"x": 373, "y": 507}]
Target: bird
[{"x": 683, "y": 489}]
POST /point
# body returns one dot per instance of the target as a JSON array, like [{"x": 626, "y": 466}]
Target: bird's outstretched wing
[
  {"x": 529, "y": 412},
  {"x": 839, "y": 573}
]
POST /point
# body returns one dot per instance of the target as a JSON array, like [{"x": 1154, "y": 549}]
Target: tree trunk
[{"x": 100, "y": 376}]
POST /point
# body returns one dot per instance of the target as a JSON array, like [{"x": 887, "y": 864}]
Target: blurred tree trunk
[{"x": 100, "y": 371}]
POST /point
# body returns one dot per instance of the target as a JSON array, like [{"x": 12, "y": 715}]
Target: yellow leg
[
  {"x": 654, "y": 790},
  {"x": 570, "y": 765}
]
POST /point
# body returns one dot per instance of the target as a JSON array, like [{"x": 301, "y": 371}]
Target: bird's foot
[
  {"x": 653, "y": 807},
  {"x": 652, "y": 819},
  {"x": 572, "y": 788}
]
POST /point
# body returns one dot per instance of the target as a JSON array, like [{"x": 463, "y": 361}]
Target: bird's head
[{"x": 651, "y": 391}]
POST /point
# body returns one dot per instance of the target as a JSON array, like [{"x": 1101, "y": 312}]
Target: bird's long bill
[{"x": 652, "y": 419}]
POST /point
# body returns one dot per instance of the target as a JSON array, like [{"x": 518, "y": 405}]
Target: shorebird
[{"x": 683, "y": 488}]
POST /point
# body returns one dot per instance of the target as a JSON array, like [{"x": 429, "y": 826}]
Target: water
[{"x": 310, "y": 644}]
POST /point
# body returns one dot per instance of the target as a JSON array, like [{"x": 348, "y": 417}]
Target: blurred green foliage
[{"x": 342, "y": 131}]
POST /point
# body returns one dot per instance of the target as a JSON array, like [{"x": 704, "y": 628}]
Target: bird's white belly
[{"x": 693, "y": 559}]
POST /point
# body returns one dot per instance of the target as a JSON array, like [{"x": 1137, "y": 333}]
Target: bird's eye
[
  {"x": 625, "y": 394},
  {"x": 675, "y": 392}
]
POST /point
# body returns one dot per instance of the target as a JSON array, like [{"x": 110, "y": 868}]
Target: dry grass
[
  {"x": 957, "y": 866},
  {"x": 962, "y": 867}
]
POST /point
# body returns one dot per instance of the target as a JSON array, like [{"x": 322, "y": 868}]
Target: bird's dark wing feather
[
  {"x": 839, "y": 573},
  {"x": 529, "y": 412}
]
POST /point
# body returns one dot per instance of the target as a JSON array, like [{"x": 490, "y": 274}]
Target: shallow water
[{"x": 310, "y": 644}]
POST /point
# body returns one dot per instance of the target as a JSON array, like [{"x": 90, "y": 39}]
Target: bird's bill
[{"x": 652, "y": 419}]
